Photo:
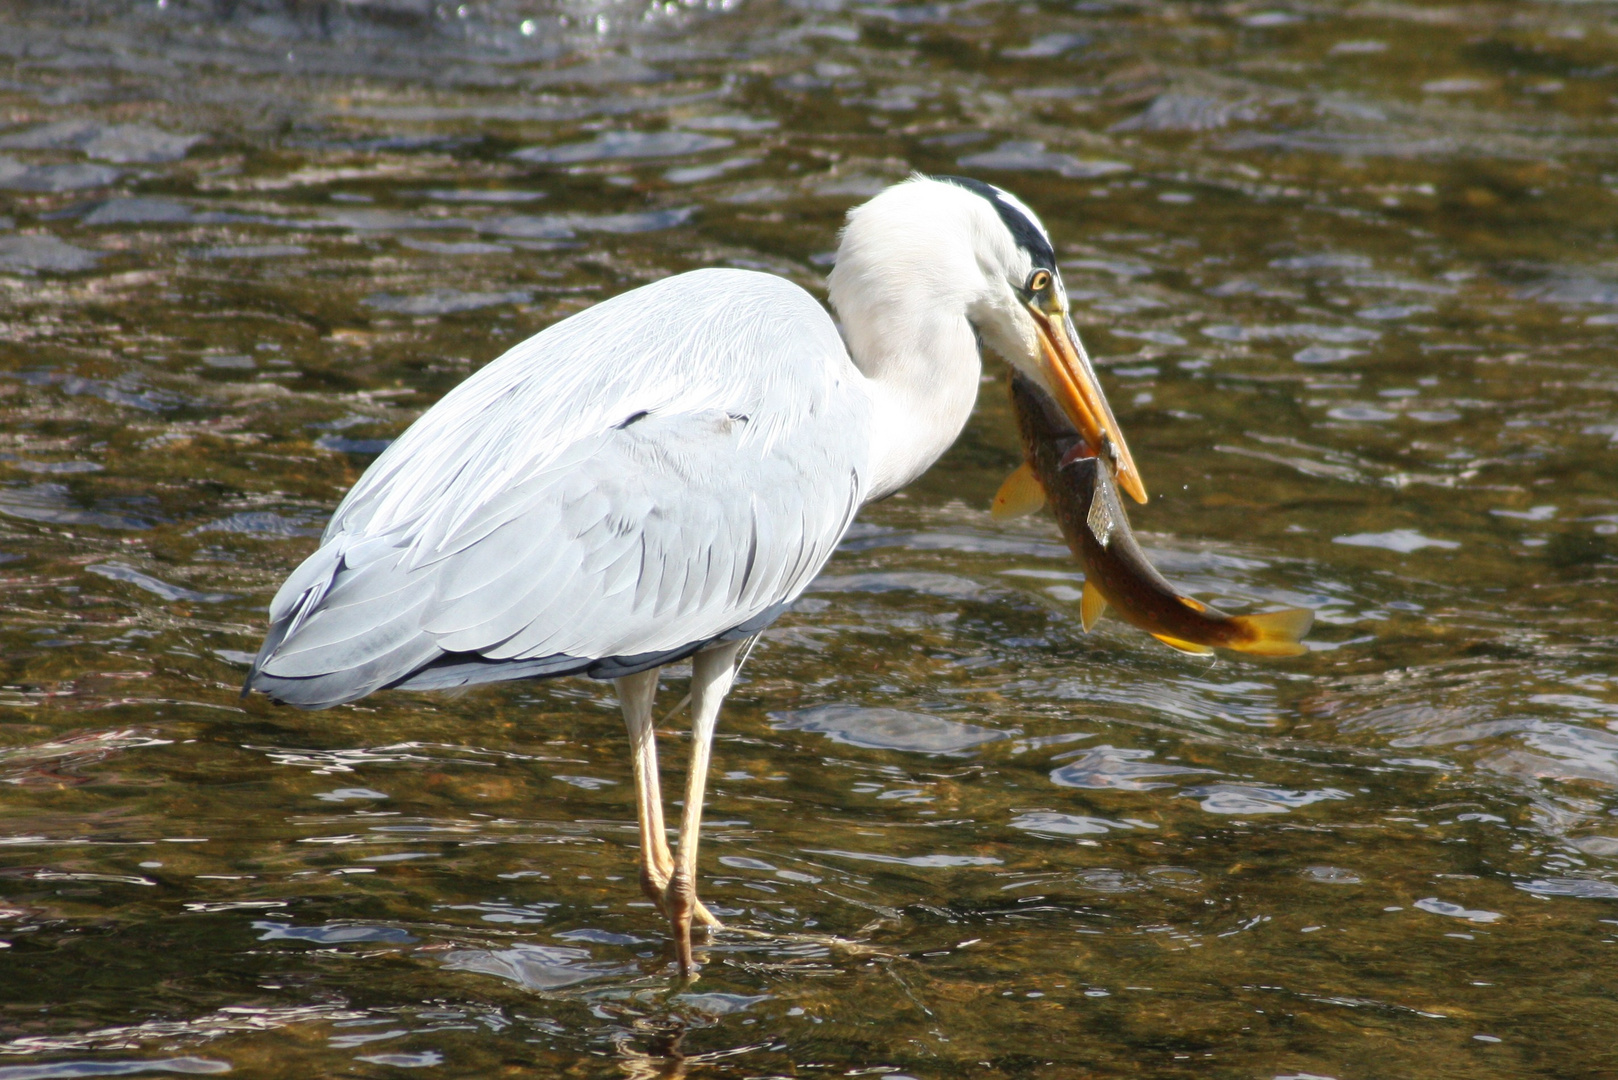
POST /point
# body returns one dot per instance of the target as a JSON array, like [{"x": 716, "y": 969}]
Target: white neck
[
  {"x": 923, "y": 385},
  {"x": 912, "y": 264}
]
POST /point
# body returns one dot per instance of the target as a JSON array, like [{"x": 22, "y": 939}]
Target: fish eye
[{"x": 1039, "y": 281}]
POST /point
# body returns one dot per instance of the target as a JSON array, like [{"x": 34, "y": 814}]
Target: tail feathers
[
  {"x": 272, "y": 641},
  {"x": 1275, "y": 633},
  {"x": 351, "y": 684},
  {"x": 316, "y": 655}
]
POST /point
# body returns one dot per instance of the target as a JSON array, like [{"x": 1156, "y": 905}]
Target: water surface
[{"x": 1351, "y": 277}]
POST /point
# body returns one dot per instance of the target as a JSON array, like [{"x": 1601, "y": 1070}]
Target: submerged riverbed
[{"x": 1351, "y": 278}]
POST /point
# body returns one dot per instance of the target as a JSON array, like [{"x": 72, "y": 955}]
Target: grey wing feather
[{"x": 691, "y": 458}]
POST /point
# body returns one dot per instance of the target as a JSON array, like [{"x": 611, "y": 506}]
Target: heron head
[{"x": 955, "y": 245}]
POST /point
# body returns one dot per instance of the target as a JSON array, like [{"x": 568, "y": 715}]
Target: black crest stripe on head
[{"x": 1027, "y": 234}]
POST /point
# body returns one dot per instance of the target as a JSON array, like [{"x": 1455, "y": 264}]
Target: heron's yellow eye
[{"x": 1038, "y": 281}]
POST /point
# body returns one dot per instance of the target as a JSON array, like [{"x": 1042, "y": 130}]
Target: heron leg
[
  {"x": 712, "y": 672},
  {"x": 638, "y": 695}
]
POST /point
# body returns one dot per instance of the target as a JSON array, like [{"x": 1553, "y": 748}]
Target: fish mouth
[{"x": 1074, "y": 384}]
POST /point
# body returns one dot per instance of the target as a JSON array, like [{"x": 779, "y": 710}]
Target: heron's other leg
[
  {"x": 712, "y": 672},
  {"x": 637, "y": 694}
]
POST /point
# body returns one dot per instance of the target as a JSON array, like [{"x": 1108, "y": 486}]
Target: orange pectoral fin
[
  {"x": 1021, "y": 494},
  {"x": 1092, "y": 606}
]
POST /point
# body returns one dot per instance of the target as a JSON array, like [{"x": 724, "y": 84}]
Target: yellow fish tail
[{"x": 1274, "y": 633}]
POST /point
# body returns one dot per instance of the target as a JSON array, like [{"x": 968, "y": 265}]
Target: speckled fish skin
[{"x": 1085, "y": 501}]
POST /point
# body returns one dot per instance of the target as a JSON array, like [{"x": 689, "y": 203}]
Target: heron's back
[{"x": 669, "y": 467}]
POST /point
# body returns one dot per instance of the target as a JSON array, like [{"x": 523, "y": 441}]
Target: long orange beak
[{"x": 1077, "y": 390}]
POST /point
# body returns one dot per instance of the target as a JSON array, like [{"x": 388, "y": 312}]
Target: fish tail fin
[
  {"x": 1092, "y": 606},
  {"x": 1020, "y": 494},
  {"x": 1275, "y": 633},
  {"x": 1183, "y": 646}
]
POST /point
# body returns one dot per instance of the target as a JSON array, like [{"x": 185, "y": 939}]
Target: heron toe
[
  {"x": 654, "y": 884},
  {"x": 680, "y": 903}
]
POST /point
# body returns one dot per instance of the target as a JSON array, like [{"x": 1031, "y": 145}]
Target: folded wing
[{"x": 619, "y": 532}]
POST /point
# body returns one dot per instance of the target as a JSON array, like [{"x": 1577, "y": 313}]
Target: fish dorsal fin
[
  {"x": 1092, "y": 607},
  {"x": 1106, "y": 512},
  {"x": 1183, "y": 646},
  {"x": 1021, "y": 494},
  {"x": 1100, "y": 520}
]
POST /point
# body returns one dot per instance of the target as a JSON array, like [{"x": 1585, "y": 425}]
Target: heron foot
[
  {"x": 851, "y": 947},
  {"x": 654, "y": 883},
  {"x": 680, "y": 902}
]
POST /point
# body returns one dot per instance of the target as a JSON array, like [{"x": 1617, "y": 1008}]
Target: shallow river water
[{"x": 1351, "y": 276}]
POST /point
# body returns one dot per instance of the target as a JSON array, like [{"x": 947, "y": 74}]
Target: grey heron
[{"x": 659, "y": 476}]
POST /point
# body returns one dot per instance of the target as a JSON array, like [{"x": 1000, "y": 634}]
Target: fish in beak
[
  {"x": 1072, "y": 381},
  {"x": 1059, "y": 466}
]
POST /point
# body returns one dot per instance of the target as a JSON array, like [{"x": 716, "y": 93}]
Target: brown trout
[{"x": 1078, "y": 482}]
